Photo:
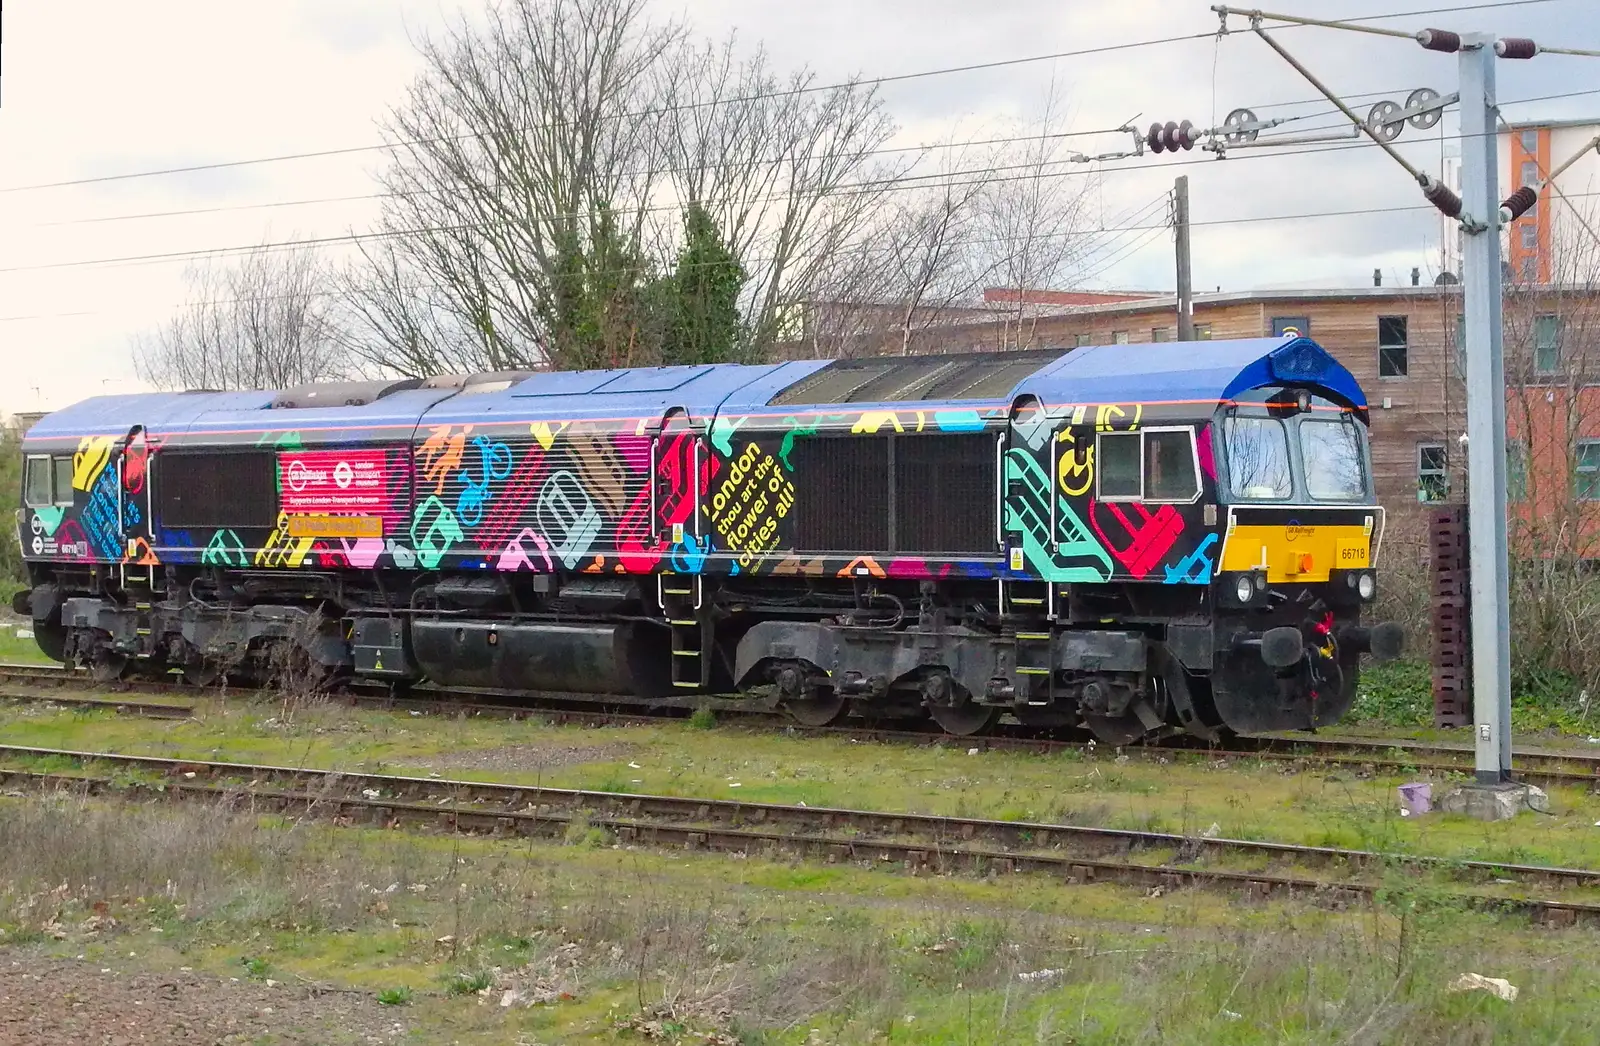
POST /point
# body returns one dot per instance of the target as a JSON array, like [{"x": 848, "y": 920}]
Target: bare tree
[
  {"x": 784, "y": 166},
  {"x": 1033, "y": 219},
  {"x": 263, "y": 321},
  {"x": 540, "y": 165},
  {"x": 1007, "y": 211}
]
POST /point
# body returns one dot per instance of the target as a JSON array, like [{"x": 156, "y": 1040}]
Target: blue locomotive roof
[
  {"x": 157, "y": 411},
  {"x": 1197, "y": 372},
  {"x": 623, "y": 393}
]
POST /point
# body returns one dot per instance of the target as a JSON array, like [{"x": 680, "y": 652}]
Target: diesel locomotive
[{"x": 1132, "y": 539}]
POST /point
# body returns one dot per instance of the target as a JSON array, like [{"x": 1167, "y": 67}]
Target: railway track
[
  {"x": 910, "y": 842},
  {"x": 1544, "y": 768}
]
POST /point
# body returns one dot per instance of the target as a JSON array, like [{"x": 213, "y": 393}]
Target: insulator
[
  {"x": 1516, "y": 47},
  {"x": 1519, "y": 203},
  {"x": 1153, "y": 139},
  {"x": 1439, "y": 194},
  {"x": 1169, "y": 136},
  {"x": 1440, "y": 40},
  {"x": 1185, "y": 135}
]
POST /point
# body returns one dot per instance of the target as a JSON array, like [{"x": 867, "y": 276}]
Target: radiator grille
[
  {"x": 235, "y": 489},
  {"x": 906, "y": 379},
  {"x": 841, "y": 494},
  {"x": 944, "y": 490}
]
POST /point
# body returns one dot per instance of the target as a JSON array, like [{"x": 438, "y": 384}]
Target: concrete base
[{"x": 1489, "y": 802}]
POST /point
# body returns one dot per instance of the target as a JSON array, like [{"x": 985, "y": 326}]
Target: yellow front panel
[{"x": 1291, "y": 552}]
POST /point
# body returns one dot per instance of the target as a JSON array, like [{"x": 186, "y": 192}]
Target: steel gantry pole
[{"x": 1481, "y": 281}]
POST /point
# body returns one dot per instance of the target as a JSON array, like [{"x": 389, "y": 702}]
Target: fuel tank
[{"x": 586, "y": 659}]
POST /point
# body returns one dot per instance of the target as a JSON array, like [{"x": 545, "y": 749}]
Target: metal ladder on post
[{"x": 682, "y": 599}]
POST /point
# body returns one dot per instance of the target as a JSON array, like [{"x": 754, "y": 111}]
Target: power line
[
  {"x": 1139, "y": 215},
  {"x": 662, "y": 110},
  {"x": 902, "y": 183},
  {"x": 658, "y": 111}
]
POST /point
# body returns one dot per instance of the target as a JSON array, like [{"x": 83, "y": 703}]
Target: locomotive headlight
[
  {"x": 1366, "y": 586},
  {"x": 1245, "y": 588}
]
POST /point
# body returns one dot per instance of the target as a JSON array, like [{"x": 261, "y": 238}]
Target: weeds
[
  {"x": 469, "y": 983},
  {"x": 703, "y": 718},
  {"x": 256, "y": 968},
  {"x": 683, "y": 947}
]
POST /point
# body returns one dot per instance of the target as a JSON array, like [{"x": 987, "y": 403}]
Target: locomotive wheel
[
  {"x": 108, "y": 667},
  {"x": 823, "y": 708},
  {"x": 964, "y": 720},
  {"x": 201, "y": 673},
  {"x": 1115, "y": 730}
]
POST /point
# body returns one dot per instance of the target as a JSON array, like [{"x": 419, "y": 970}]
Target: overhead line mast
[{"x": 1481, "y": 215}]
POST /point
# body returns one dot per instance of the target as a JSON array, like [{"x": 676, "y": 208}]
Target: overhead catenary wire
[
  {"x": 858, "y": 248},
  {"x": 663, "y": 110},
  {"x": 315, "y": 201},
  {"x": 879, "y": 185},
  {"x": 851, "y": 189},
  {"x": 645, "y": 113}
]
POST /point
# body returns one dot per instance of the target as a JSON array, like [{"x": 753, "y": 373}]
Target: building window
[
  {"x": 1160, "y": 333},
  {"x": 1530, "y": 235},
  {"x": 1082, "y": 340},
  {"x": 1282, "y": 325},
  {"x": 1433, "y": 472},
  {"x": 1530, "y": 141},
  {"x": 1528, "y": 269},
  {"x": 1516, "y": 470},
  {"x": 1587, "y": 471},
  {"x": 1461, "y": 344},
  {"x": 1120, "y": 337},
  {"x": 1392, "y": 346},
  {"x": 1530, "y": 172},
  {"x": 1546, "y": 344},
  {"x": 1202, "y": 332}
]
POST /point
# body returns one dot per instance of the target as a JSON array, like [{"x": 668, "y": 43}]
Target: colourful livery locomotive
[{"x": 1128, "y": 538}]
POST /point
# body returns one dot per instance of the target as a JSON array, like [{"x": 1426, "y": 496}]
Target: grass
[
  {"x": 617, "y": 946},
  {"x": 1187, "y": 795},
  {"x": 16, "y": 649}
]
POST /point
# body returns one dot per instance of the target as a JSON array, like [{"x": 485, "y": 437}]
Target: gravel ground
[
  {"x": 530, "y": 758},
  {"x": 65, "y": 1002}
]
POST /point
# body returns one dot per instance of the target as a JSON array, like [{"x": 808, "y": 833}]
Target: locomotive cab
[{"x": 1297, "y": 573}]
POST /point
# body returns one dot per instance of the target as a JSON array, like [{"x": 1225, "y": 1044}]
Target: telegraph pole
[
  {"x": 1180, "y": 224},
  {"x": 1486, "y": 411}
]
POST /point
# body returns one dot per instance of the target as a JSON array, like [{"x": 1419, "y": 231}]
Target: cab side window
[
  {"x": 63, "y": 491},
  {"x": 47, "y": 481},
  {"x": 1169, "y": 466},
  {"x": 36, "y": 490},
  {"x": 1147, "y": 466},
  {"x": 1118, "y": 466}
]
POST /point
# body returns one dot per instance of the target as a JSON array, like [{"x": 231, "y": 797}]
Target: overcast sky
[{"x": 94, "y": 88}]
